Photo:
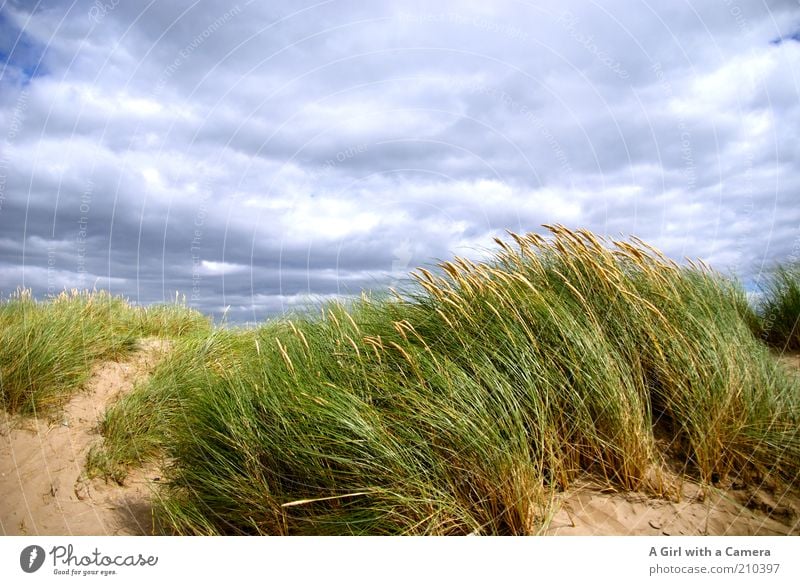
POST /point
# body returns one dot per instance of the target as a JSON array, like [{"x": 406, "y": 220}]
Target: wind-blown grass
[
  {"x": 133, "y": 426},
  {"x": 47, "y": 349},
  {"x": 466, "y": 403},
  {"x": 779, "y": 309}
]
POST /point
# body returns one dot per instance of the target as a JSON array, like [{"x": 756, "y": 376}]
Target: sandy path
[{"x": 43, "y": 489}]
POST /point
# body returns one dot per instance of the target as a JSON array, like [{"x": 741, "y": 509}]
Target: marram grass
[
  {"x": 778, "y": 312},
  {"x": 47, "y": 349},
  {"x": 467, "y": 402}
]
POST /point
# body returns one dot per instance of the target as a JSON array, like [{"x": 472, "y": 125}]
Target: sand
[
  {"x": 737, "y": 511},
  {"x": 44, "y": 489},
  {"x": 43, "y": 486}
]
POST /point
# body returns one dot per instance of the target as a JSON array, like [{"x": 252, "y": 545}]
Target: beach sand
[
  {"x": 43, "y": 485},
  {"x": 743, "y": 511}
]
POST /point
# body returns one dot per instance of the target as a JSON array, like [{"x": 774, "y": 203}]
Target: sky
[{"x": 262, "y": 157}]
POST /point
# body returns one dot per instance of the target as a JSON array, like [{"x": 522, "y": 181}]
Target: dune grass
[
  {"x": 779, "y": 309},
  {"x": 133, "y": 426},
  {"x": 467, "y": 402},
  {"x": 47, "y": 349}
]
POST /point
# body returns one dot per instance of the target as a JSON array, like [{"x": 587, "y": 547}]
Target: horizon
[{"x": 310, "y": 304}]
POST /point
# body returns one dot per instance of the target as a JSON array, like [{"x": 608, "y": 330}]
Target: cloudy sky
[{"x": 261, "y": 154}]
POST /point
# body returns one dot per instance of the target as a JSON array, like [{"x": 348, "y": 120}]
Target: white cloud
[
  {"x": 210, "y": 267},
  {"x": 318, "y": 151}
]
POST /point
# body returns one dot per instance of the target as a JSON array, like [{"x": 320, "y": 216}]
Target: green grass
[
  {"x": 167, "y": 320},
  {"x": 779, "y": 309},
  {"x": 134, "y": 425},
  {"x": 467, "y": 402},
  {"x": 47, "y": 349}
]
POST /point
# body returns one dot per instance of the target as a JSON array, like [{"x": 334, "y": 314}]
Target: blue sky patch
[{"x": 19, "y": 53}]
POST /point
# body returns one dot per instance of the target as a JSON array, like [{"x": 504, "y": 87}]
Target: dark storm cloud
[{"x": 261, "y": 157}]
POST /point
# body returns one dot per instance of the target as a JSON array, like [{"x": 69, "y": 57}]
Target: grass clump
[
  {"x": 465, "y": 404},
  {"x": 133, "y": 426},
  {"x": 168, "y": 320},
  {"x": 779, "y": 308},
  {"x": 47, "y": 349}
]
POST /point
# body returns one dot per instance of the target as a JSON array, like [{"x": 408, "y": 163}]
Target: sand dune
[{"x": 44, "y": 490}]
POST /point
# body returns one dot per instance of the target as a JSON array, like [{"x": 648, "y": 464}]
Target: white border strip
[{"x": 439, "y": 560}]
